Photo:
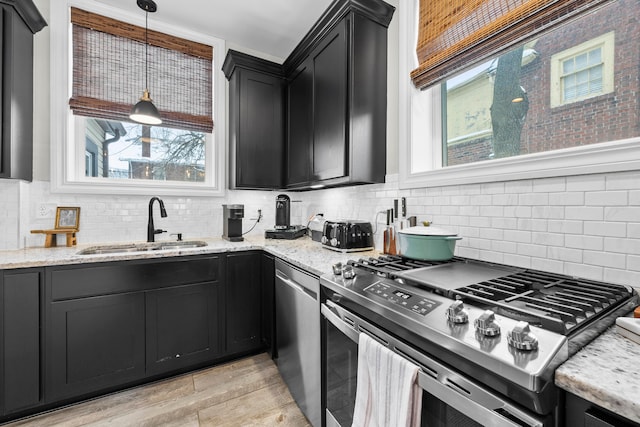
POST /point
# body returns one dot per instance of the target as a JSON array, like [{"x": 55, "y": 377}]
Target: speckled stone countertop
[
  {"x": 302, "y": 252},
  {"x": 606, "y": 373}
]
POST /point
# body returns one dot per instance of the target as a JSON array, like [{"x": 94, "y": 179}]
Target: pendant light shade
[{"x": 144, "y": 111}]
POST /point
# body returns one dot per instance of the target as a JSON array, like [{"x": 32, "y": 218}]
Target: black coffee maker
[
  {"x": 283, "y": 228},
  {"x": 232, "y": 222},
  {"x": 283, "y": 212}
]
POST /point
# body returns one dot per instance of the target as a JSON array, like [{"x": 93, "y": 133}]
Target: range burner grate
[
  {"x": 559, "y": 303},
  {"x": 389, "y": 265}
]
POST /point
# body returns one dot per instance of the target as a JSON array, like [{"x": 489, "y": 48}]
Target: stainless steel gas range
[{"x": 487, "y": 337}]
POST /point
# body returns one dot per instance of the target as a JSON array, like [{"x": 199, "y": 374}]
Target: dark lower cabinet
[
  {"x": 20, "y": 342},
  {"x": 182, "y": 326},
  {"x": 117, "y": 323},
  {"x": 95, "y": 343},
  {"x": 581, "y": 413},
  {"x": 243, "y": 302}
]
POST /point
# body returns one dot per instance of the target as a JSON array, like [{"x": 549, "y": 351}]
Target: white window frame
[
  {"x": 420, "y": 134},
  {"x": 67, "y": 133},
  {"x": 606, "y": 43}
]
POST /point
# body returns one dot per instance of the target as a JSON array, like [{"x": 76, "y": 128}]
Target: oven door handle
[{"x": 336, "y": 321}]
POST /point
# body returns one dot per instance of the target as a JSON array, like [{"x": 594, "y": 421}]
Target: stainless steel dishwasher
[{"x": 298, "y": 337}]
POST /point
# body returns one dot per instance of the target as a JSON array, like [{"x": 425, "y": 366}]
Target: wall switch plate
[{"x": 46, "y": 210}]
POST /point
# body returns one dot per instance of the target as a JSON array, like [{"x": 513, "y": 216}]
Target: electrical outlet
[{"x": 46, "y": 210}]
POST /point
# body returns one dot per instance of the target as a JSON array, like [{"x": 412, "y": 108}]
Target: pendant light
[{"x": 144, "y": 111}]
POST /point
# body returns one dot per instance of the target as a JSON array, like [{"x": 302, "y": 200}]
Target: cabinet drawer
[{"x": 118, "y": 277}]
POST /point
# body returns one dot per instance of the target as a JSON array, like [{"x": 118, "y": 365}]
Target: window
[
  {"x": 95, "y": 147},
  {"x": 561, "y": 103},
  {"x": 583, "y": 71}
]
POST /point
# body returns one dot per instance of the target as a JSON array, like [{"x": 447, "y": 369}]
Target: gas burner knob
[
  {"x": 522, "y": 338},
  {"x": 334, "y": 242},
  {"x": 324, "y": 240},
  {"x": 456, "y": 313},
  {"x": 486, "y": 324}
]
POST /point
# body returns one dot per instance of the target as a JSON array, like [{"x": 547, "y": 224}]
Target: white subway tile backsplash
[
  {"x": 548, "y": 239},
  {"x": 567, "y": 198},
  {"x": 627, "y": 214},
  {"x": 606, "y": 198},
  {"x": 601, "y": 228},
  {"x": 585, "y": 225},
  {"x": 605, "y": 259},
  {"x": 633, "y": 263},
  {"x": 594, "y": 213},
  {"x": 538, "y": 251},
  {"x": 586, "y": 182},
  {"x": 623, "y": 181},
  {"x": 623, "y": 277},
  {"x": 533, "y": 199},
  {"x": 627, "y": 246},
  {"x": 584, "y": 270},
  {"x": 550, "y": 185},
  {"x": 584, "y": 242}
]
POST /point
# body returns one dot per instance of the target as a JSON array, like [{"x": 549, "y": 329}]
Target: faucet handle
[
  {"x": 177, "y": 234},
  {"x": 158, "y": 231}
]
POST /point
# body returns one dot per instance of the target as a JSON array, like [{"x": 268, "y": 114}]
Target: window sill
[{"x": 615, "y": 156}]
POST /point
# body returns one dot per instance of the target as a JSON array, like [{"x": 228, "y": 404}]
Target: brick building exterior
[{"x": 606, "y": 117}]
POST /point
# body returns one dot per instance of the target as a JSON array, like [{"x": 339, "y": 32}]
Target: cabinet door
[
  {"x": 260, "y": 136},
  {"x": 95, "y": 343},
  {"x": 243, "y": 302},
  {"x": 300, "y": 125},
  {"x": 182, "y": 326},
  {"x": 20, "y": 320},
  {"x": 330, "y": 105}
]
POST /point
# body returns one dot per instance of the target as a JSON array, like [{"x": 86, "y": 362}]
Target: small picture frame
[{"x": 67, "y": 218}]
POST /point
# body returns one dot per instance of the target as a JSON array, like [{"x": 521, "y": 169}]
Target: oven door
[{"x": 449, "y": 399}]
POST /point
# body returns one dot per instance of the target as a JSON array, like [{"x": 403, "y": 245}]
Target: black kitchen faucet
[{"x": 151, "y": 230}]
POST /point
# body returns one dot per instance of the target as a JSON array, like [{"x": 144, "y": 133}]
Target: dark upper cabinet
[
  {"x": 20, "y": 340},
  {"x": 299, "y": 126},
  {"x": 256, "y": 122},
  {"x": 19, "y": 20},
  {"x": 329, "y": 95},
  {"x": 344, "y": 91},
  {"x": 320, "y": 118},
  {"x": 243, "y": 302}
]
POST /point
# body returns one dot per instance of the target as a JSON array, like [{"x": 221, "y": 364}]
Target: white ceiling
[{"x": 273, "y": 27}]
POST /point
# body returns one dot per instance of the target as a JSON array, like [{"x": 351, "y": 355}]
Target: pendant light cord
[{"x": 146, "y": 49}]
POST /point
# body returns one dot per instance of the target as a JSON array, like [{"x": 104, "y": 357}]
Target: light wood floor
[{"x": 247, "y": 392}]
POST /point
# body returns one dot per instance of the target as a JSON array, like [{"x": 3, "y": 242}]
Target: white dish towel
[{"x": 387, "y": 393}]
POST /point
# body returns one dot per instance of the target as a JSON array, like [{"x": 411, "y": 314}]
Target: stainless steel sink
[{"x": 142, "y": 247}]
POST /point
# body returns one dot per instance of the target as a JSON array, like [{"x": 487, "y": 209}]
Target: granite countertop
[
  {"x": 302, "y": 252},
  {"x": 606, "y": 373}
]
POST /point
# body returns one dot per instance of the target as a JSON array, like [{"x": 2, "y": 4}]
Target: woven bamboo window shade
[
  {"x": 109, "y": 67},
  {"x": 455, "y": 34}
]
